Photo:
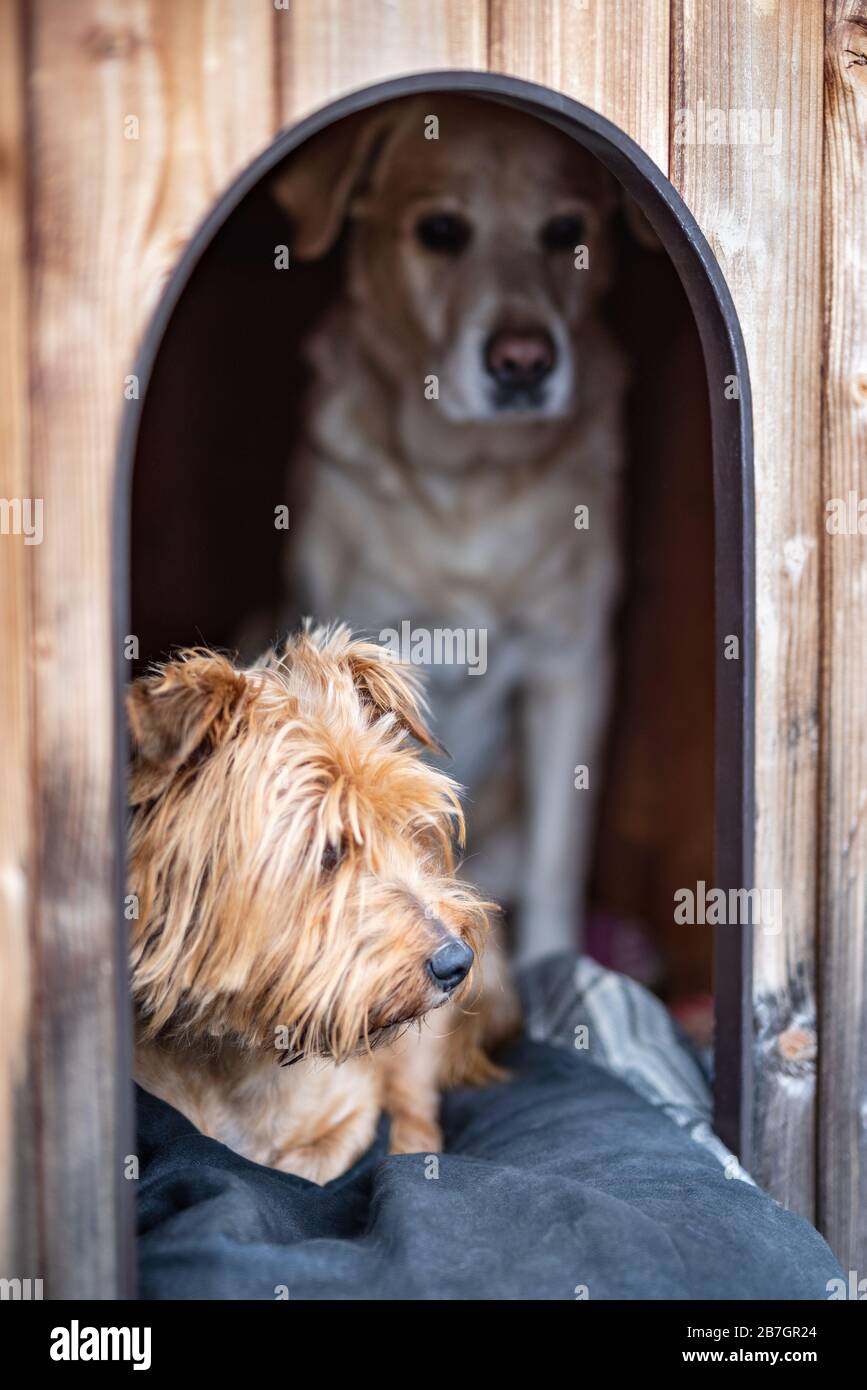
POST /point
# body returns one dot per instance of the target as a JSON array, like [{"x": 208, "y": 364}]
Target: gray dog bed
[{"x": 592, "y": 1174}]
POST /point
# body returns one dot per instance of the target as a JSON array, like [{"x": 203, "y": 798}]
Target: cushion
[{"x": 562, "y": 1183}]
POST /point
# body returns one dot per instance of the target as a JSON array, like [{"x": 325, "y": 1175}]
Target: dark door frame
[{"x": 731, "y": 428}]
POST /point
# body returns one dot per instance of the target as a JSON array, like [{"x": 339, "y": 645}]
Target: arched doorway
[{"x": 730, "y": 428}]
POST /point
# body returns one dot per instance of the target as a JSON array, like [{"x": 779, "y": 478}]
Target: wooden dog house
[{"x": 135, "y": 122}]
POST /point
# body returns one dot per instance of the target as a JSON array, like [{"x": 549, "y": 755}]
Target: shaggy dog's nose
[
  {"x": 519, "y": 360},
  {"x": 451, "y": 964}
]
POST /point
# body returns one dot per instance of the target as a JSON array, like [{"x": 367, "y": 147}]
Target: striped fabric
[{"x": 625, "y": 1029}]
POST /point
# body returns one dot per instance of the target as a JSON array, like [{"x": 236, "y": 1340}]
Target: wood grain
[
  {"x": 760, "y": 207},
  {"x": 327, "y": 47},
  {"x": 842, "y": 1187},
  {"x": 19, "y": 1175},
  {"x": 110, "y": 216},
  {"x": 208, "y": 82},
  {"x": 612, "y": 55}
]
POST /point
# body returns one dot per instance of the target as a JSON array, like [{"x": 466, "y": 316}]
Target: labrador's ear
[
  {"x": 638, "y": 225},
  {"x": 318, "y": 184}
]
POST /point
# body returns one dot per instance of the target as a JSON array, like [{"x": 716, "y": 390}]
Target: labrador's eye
[
  {"x": 563, "y": 233},
  {"x": 330, "y": 858},
  {"x": 444, "y": 233}
]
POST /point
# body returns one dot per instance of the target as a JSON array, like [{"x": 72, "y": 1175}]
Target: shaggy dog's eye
[
  {"x": 443, "y": 233},
  {"x": 563, "y": 233},
  {"x": 330, "y": 858}
]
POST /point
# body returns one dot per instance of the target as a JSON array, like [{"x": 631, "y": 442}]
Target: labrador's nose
[
  {"x": 519, "y": 360},
  {"x": 451, "y": 964}
]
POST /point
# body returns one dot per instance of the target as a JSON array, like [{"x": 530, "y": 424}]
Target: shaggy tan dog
[{"x": 293, "y": 860}]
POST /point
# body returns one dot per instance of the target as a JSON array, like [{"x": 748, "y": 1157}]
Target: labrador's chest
[
  {"x": 381, "y": 541},
  {"x": 411, "y": 517}
]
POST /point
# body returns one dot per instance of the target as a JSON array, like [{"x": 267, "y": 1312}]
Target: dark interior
[{"x": 211, "y": 466}]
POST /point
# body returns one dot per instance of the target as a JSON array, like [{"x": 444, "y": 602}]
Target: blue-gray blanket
[{"x": 564, "y": 1183}]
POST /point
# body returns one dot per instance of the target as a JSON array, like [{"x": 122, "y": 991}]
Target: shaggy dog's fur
[{"x": 293, "y": 859}]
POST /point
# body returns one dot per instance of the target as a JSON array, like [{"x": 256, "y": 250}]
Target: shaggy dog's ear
[
  {"x": 392, "y": 688},
  {"x": 187, "y": 702},
  {"x": 317, "y": 186}
]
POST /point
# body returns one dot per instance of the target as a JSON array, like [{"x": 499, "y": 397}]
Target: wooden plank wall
[
  {"x": 19, "y": 1230},
  {"x": 842, "y": 1189},
  {"x": 612, "y": 55},
  {"x": 760, "y": 208},
  {"x": 209, "y": 83},
  {"x": 328, "y": 47},
  {"x": 109, "y": 216}
]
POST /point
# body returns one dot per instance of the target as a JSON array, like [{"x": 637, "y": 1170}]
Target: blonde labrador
[{"x": 463, "y": 450}]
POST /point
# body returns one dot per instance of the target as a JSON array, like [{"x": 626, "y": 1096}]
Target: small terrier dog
[{"x": 293, "y": 857}]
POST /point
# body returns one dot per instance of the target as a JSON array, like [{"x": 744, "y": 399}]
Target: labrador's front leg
[{"x": 566, "y": 706}]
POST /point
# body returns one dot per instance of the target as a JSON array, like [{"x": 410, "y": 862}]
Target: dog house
[{"x": 134, "y": 309}]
